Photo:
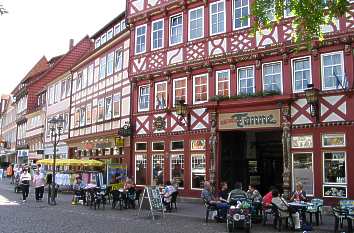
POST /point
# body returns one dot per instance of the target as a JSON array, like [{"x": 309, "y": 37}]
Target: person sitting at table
[
  {"x": 267, "y": 199},
  {"x": 223, "y": 194},
  {"x": 167, "y": 192},
  {"x": 130, "y": 193},
  {"x": 299, "y": 194},
  {"x": 210, "y": 199},
  {"x": 237, "y": 192},
  {"x": 78, "y": 188},
  {"x": 253, "y": 194},
  {"x": 283, "y": 208}
]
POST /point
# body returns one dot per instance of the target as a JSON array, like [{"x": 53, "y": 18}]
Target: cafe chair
[
  {"x": 267, "y": 212},
  {"x": 173, "y": 203},
  {"x": 209, "y": 208},
  {"x": 315, "y": 208},
  {"x": 279, "y": 218},
  {"x": 137, "y": 196},
  {"x": 340, "y": 215}
]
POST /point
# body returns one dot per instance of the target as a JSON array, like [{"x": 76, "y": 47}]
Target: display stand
[{"x": 152, "y": 193}]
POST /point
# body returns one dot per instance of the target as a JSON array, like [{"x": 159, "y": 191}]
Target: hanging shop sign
[
  {"x": 119, "y": 142},
  {"x": 250, "y": 120},
  {"x": 198, "y": 144},
  {"x": 305, "y": 141},
  {"x": 125, "y": 131}
]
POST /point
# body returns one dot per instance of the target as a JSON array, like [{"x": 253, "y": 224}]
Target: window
[
  {"x": 287, "y": 12},
  {"x": 123, "y": 24},
  {"x": 103, "y": 38},
  {"x": 301, "y": 74},
  {"x": 98, "y": 43},
  {"x": 196, "y": 23},
  {"x": 270, "y": 12},
  {"x": 108, "y": 108},
  {"x": 332, "y": 71},
  {"x": 82, "y": 116},
  {"x": 117, "y": 29},
  {"x": 63, "y": 89},
  {"x": 272, "y": 77},
  {"x": 78, "y": 81},
  {"x": 223, "y": 83},
  {"x": 57, "y": 92},
  {"x": 303, "y": 172},
  {"x": 51, "y": 95},
  {"x": 140, "y": 41},
  {"x": 110, "y": 34},
  {"x": 144, "y": 98},
  {"x": 198, "y": 171},
  {"x": 84, "y": 78},
  {"x": 246, "y": 80},
  {"x": 77, "y": 117},
  {"x": 241, "y": 14},
  {"x": 158, "y": 146},
  {"x": 66, "y": 122},
  {"x": 141, "y": 146},
  {"x": 90, "y": 75},
  {"x": 94, "y": 114},
  {"x": 177, "y": 169},
  {"x": 333, "y": 140},
  {"x": 140, "y": 169},
  {"x": 88, "y": 114},
  {"x": 157, "y": 34},
  {"x": 200, "y": 84},
  {"x": 217, "y": 17},
  {"x": 116, "y": 105},
  {"x": 102, "y": 72},
  {"x": 161, "y": 95},
  {"x": 110, "y": 60},
  {"x": 176, "y": 29},
  {"x": 157, "y": 169},
  {"x": 179, "y": 90},
  {"x": 118, "y": 63},
  {"x": 100, "y": 109},
  {"x": 335, "y": 174},
  {"x": 177, "y": 145}
]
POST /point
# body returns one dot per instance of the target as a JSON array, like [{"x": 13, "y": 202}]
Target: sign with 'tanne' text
[{"x": 250, "y": 120}]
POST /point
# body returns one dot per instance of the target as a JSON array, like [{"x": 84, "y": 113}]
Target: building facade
[
  {"x": 247, "y": 116},
  {"x": 100, "y": 97}
]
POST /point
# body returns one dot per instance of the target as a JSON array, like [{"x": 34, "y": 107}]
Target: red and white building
[{"x": 247, "y": 116}]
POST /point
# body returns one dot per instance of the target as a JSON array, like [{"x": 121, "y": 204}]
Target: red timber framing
[{"x": 233, "y": 51}]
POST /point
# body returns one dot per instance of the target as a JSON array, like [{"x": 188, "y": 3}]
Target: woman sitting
[
  {"x": 299, "y": 194},
  {"x": 254, "y": 195},
  {"x": 167, "y": 195},
  {"x": 283, "y": 208},
  {"x": 223, "y": 195},
  {"x": 130, "y": 193}
]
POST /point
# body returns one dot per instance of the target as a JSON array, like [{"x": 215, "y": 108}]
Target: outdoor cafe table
[{"x": 301, "y": 207}]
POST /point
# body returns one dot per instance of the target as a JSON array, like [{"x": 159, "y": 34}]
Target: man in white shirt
[{"x": 25, "y": 180}]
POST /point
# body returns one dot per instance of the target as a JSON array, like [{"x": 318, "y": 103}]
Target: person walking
[
  {"x": 25, "y": 179},
  {"x": 38, "y": 183}
]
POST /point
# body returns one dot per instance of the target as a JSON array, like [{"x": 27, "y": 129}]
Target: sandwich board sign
[{"x": 152, "y": 194}]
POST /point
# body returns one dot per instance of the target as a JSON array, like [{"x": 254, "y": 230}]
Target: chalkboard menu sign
[{"x": 152, "y": 193}]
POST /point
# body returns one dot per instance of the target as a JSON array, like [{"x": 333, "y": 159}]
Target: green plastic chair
[{"x": 315, "y": 208}]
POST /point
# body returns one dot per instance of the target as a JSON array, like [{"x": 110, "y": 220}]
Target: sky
[{"x": 36, "y": 28}]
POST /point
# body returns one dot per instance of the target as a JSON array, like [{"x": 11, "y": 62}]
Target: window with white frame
[
  {"x": 140, "y": 169},
  {"x": 116, "y": 105},
  {"x": 196, "y": 23},
  {"x": 176, "y": 29},
  {"x": 100, "y": 109},
  {"x": 157, "y": 34},
  {"x": 200, "y": 86},
  {"x": 223, "y": 82},
  {"x": 88, "y": 114},
  {"x": 118, "y": 63},
  {"x": 198, "y": 170},
  {"x": 287, "y": 10},
  {"x": 179, "y": 90},
  {"x": 301, "y": 73},
  {"x": 272, "y": 77},
  {"x": 63, "y": 89},
  {"x": 157, "y": 169},
  {"x": 303, "y": 171},
  {"x": 108, "y": 108},
  {"x": 217, "y": 17},
  {"x": 110, "y": 61},
  {"x": 77, "y": 117},
  {"x": 103, "y": 38},
  {"x": 334, "y": 174},
  {"x": 90, "y": 75},
  {"x": 84, "y": 78},
  {"x": 82, "y": 116},
  {"x": 270, "y": 12},
  {"x": 140, "y": 41},
  {"x": 144, "y": 98},
  {"x": 177, "y": 169},
  {"x": 246, "y": 80},
  {"x": 160, "y": 95},
  {"x": 51, "y": 95},
  {"x": 97, "y": 43},
  {"x": 57, "y": 92},
  {"x": 177, "y": 145},
  {"x": 123, "y": 24},
  {"x": 332, "y": 71},
  {"x": 110, "y": 34},
  {"x": 117, "y": 29},
  {"x": 78, "y": 81},
  {"x": 102, "y": 72},
  {"x": 241, "y": 14},
  {"x": 333, "y": 140},
  {"x": 68, "y": 87}
]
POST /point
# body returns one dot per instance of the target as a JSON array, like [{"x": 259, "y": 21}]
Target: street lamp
[
  {"x": 311, "y": 94},
  {"x": 56, "y": 128},
  {"x": 182, "y": 112}
]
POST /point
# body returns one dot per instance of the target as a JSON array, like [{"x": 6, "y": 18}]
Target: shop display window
[
  {"x": 140, "y": 169},
  {"x": 177, "y": 169},
  {"x": 198, "y": 171},
  {"x": 333, "y": 140},
  {"x": 157, "y": 169},
  {"x": 335, "y": 174},
  {"x": 303, "y": 171}
]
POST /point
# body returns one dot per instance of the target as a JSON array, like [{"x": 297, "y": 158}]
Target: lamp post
[
  {"x": 56, "y": 128},
  {"x": 182, "y": 111},
  {"x": 311, "y": 94}
]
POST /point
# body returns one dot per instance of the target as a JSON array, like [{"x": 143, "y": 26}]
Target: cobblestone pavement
[{"x": 35, "y": 217}]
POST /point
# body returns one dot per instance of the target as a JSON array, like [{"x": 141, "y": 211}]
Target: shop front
[{"x": 22, "y": 156}]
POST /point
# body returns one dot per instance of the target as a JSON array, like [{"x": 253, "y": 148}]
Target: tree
[
  {"x": 308, "y": 16},
  {"x": 3, "y": 10}
]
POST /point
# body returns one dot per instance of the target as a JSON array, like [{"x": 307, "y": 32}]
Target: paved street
[{"x": 39, "y": 217}]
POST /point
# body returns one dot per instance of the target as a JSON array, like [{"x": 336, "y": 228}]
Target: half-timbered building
[
  {"x": 100, "y": 99},
  {"x": 212, "y": 101}
]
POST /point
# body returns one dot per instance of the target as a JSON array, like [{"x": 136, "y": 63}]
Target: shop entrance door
[{"x": 252, "y": 157}]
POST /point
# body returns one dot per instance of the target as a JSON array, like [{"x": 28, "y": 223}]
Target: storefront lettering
[{"x": 242, "y": 120}]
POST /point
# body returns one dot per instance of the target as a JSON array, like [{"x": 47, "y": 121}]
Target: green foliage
[
  {"x": 245, "y": 95},
  {"x": 308, "y": 16}
]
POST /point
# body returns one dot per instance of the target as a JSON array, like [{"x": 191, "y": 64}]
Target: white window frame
[
  {"x": 98, "y": 109},
  {"x": 115, "y": 31},
  {"x": 110, "y": 31},
  {"x": 189, "y": 23},
  {"x": 194, "y": 94},
  {"x": 332, "y": 134},
  {"x": 239, "y": 81},
  {"x": 184, "y": 163},
  {"x": 322, "y": 69},
  {"x": 141, "y": 150},
  {"x": 148, "y": 107},
  {"x": 211, "y": 15},
  {"x": 152, "y": 146},
  {"x": 90, "y": 75},
  {"x": 102, "y": 68},
  {"x": 152, "y": 34},
  {"x": 174, "y": 90},
  {"x": 177, "y": 149},
  {"x": 170, "y": 30},
  {"x": 233, "y": 16},
  {"x": 166, "y": 93},
  {"x": 136, "y": 38},
  {"x": 119, "y": 101},
  {"x": 146, "y": 167},
  {"x": 162, "y": 167},
  {"x": 97, "y": 43},
  {"x": 103, "y": 38},
  {"x": 293, "y": 72},
  {"x": 217, "y": 80},
  {"x": 106, "y": 116},
  {"x": 119, "y": 66},
  {"x": 313, "y": 171},
  {"x": 88, "y": 109},
  {"x": 346, "y": 170},
  {"x": 281, "y": 74},
  {"x": 191, "y": 167},
  {"x": 108, "y": 61}
]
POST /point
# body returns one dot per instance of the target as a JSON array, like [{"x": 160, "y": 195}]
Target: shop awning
[{"x": 71, "y": 162}]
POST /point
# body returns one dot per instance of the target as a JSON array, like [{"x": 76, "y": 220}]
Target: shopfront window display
[
  {"x": 334, "y": 173},
  {"x": 140, "y": 169},
  {"x": 177, "y": 169},
  {"x": 157, "y": 169},
  {"x": 303, "y": 172},
  {"x": 198, "y": 171}
]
